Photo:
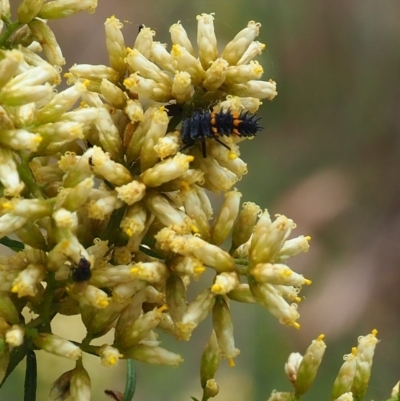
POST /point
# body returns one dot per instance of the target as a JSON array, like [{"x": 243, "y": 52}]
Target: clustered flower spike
[{"x": 113, "y": 215}]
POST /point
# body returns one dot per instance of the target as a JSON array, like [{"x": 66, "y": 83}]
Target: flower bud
[
  {"x": 157, "y": 129},
  {"x": 166, "y": 170},
  {"x": 206, "y": 40},
  {"x": 239, "y": 44},
  {"x": 28, "y": 10},
  {"x": 225, "y": 283},
  {"x": 223, "y": 327},
  {"x": 344, "y": 379},
  {"x": 64, "y": 8},
  {"x": 26, "y": 282},
  {"x": 175, "y": 296},
  {"x": 269, "y": 237},
  {"x": 244, "y": 224},
  {"x": 136, "y": 330},
  {"x": 277, "y": 274},
  {"x": 60, "y": 389},
  {"x": 109, "y": 355},
  {"x": 269, "y": 296},
  {"x": 215, "y": 74},
  {"x": 15, "y": 336},
  {"x": 210, "y": 360},
  {"x": 153, "y": 355},
  {"x": 226, "y": 217},
  {"x": 211, "y": 389},
  {"x": 309, "y": 365},
  {"x": 292, "y": 366},
  {"x": 80, "y": 384},
  {"x": 180, "y": 37},
  {"x": 57, "y": 345},
  {"x": 365, "y": 353},
  {"x": 115, "y": 44},
  {"x": 196, "y": 312},
  {"x": 45, "y": 36}
]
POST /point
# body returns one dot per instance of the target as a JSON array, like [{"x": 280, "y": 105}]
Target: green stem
[
  {"x": 30, "y": 377},
  {"x": 11, "y": 28},
  {"x": 27, "y": 177},
  {"x": 109, "y": 234},
  {"x": 46, "y": 310},
  {"x": 205, "y": 398},
  {"x": 130, "y": 385}
]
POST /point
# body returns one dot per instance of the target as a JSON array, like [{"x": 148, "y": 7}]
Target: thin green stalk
[
  {"x": 46, "y": 310},
  {"x": 11, "y": 28},
  {"x": 130, "y": 385},
  {"x": 27, "y": 177},
  {"x": 30, "y": 384}
]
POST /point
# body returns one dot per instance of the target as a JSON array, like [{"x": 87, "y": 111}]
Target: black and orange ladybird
[
  {"x": 210, "y": 124},
  {"x": 82, "y": 271}
]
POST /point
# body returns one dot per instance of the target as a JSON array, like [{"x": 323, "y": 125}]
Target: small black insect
[
  {"x": 81, "y": 272},
  {"x": 210, "y": 124},
  {"x": 141, "y": 26}
]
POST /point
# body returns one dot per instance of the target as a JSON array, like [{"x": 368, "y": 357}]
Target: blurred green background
[{"x": 329, "y": 158}]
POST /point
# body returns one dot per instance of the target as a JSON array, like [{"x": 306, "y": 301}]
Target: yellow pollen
[
  {"x": 232, "y": 155},
  {"x": 128, "y": 232},
  {"x": 37, "y": 139},
  {"x": 354, "y": 351},
  {"x": 374, "y": 332},
  {"x": 287, "y": 272},
  {"x": 112, "y": 360},
  {"x": 102, "y": 303},
  {"x": 231, "y": 362},
  {"x": 175, "y": 51},
  {"x": 297, "y": 299},
  {"x": 162, "y": 308},
  {"x": 134, "y": 270},
  {"x": 194, "y": 229},
  {"x": 15, "y": 288},
  {"x": 216, "y": 288},
  {"x": 308, "y": 238},
  {"x": 307, "y": 282},
  {"x": 185, "y": 185},
  {"x": 7, "y": 205},
  {"x": 320, "y": 337},
  {"x": 296, "y": 325},
  {"x": 86, "y": 82},
  {"x": 199, "y": 269}
]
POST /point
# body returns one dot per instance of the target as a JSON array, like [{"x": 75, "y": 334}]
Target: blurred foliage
[{"x": 329, "y": 158}]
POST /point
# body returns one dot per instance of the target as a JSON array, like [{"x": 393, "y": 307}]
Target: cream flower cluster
[
  {"x": 114, "y": 220},
  {"x": 352, "y": 380}
]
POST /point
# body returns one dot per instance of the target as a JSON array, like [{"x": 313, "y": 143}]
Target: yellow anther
[
  {"x": 307, "y": 282},
  {"x": 231, "y": 362},
  {"x": 374, "y": 332},
  {"x": 320, "y": 337},
  {"x": 162, "y": 308},
  {"x": 232, "y": 155}
]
